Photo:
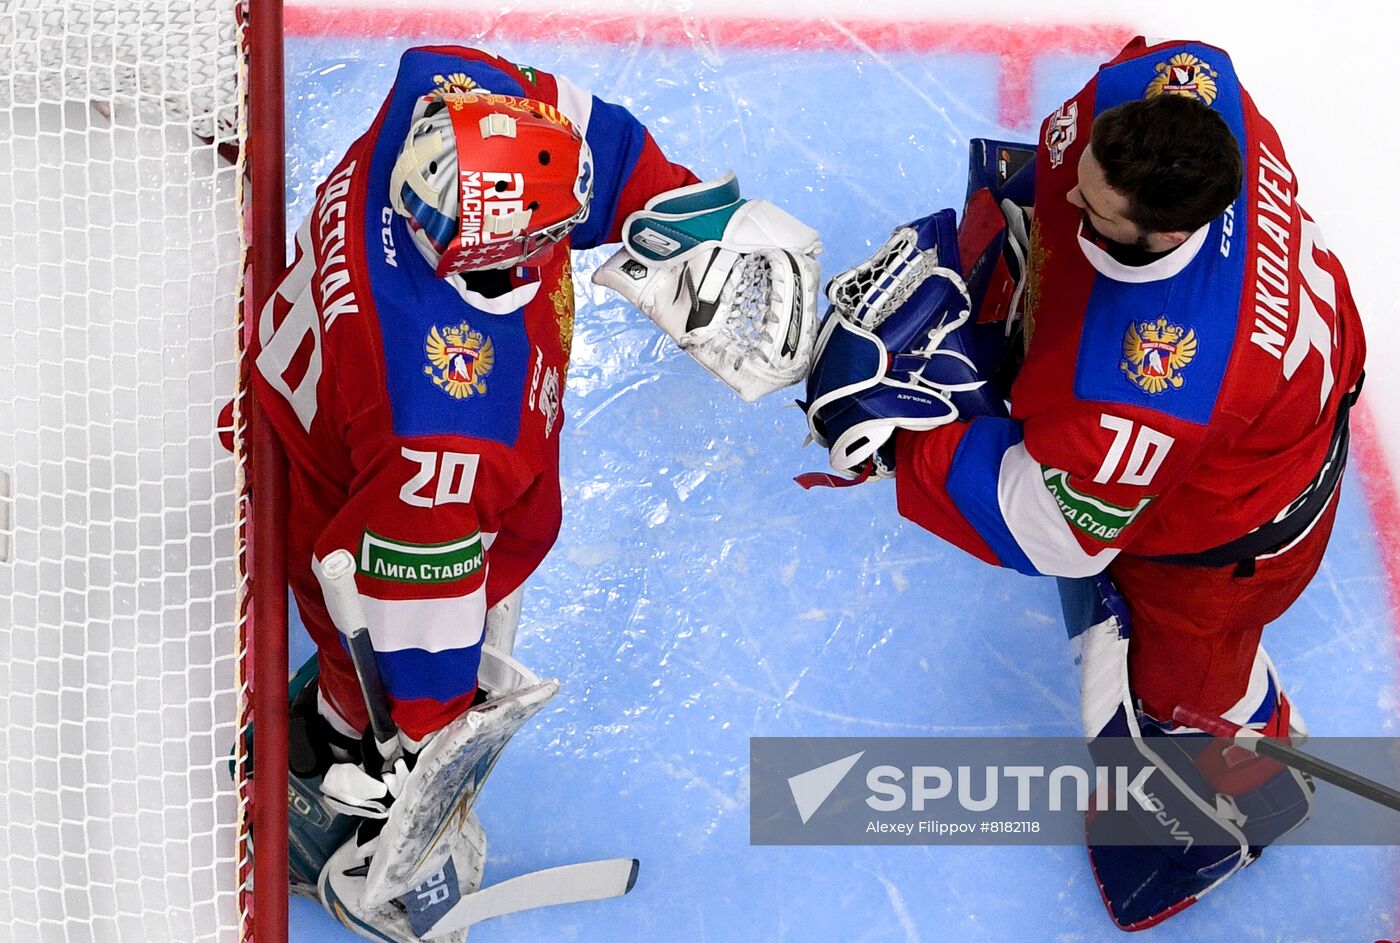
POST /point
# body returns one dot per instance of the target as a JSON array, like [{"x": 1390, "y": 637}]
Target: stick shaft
[
  {"x": 371, "y": 685},
  {"x": 1281, "y": 752},
  {"x": 336, "y": 574},
  {"x": 1329, "y": 772}
]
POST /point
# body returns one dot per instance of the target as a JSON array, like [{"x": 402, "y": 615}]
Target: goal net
[{"x": 121, "y": 653}]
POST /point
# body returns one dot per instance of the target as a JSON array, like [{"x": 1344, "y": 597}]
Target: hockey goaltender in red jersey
[
  {"x": 413, "y": 363},
  {"x": 1185, "y": 350}
]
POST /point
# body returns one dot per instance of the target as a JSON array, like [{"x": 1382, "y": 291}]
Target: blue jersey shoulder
[
  {"x": 1166, "y": 345},
  {"x": 1191, "y": 69},
  {"x": 449, "y": 369}
]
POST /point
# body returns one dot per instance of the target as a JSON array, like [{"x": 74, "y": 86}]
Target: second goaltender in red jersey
[
  {"x": 1162, "y": 409},
  {"x": 421, "y": 416}
]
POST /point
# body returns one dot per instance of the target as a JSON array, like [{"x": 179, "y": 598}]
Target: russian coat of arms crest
[
  {"x": 1184, "y": 74},
  {"x": 459, "y": 360},
  {"x": 1155, "y": 352}
]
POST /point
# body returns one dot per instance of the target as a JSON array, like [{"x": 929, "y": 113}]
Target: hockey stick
[
  {"x": 1277, "y": 750},
  {"x": 569, "y": 884},
  {"x": 337, "y": 579},
  {"x": 347, "y": 612}
]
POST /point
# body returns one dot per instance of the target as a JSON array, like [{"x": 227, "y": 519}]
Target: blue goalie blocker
[{"x": 895, "y": 350}]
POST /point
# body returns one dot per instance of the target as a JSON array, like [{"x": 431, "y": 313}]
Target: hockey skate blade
[{"x": 569, "y": 884}]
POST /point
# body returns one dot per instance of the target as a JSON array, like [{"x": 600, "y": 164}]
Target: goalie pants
[{"x": 1195, "y": 629}]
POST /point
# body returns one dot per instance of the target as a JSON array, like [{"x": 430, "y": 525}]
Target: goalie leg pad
[
  {"x": 1199, "y": 820},
  {"x": 448, "y": 776},
  {"x": 342, "y": 888}
]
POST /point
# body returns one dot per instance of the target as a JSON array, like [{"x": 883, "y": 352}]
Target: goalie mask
[{"x": 489, "y": 181}]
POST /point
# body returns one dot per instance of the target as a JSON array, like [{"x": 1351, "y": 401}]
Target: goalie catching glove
[
  {"x": 894, "y": 352},
  {"x": 732, "y": 281}
]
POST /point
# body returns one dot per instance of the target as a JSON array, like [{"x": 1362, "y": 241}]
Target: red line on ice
[
  {"x": 1016, "y": 47},
  {"x": 1378, "y": 486}
]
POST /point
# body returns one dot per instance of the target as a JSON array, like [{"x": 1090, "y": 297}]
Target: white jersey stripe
[
  {"x": 575, "y": 104},
  {"x": 432, "y": 625},
  {"x": 1034, "y": 519}
]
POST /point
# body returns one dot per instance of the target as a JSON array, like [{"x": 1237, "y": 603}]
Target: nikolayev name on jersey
[{"x": 1274, "y": 202}]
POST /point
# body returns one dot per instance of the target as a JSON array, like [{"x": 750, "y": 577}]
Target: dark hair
[{"x": 1174, "y": 158}]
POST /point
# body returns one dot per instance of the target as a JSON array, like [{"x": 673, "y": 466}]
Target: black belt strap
[{"x": 1295, "y": 519}]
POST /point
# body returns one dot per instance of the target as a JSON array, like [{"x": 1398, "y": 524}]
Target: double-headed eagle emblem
[
  {"x": 563, "y": 299},
  {"x": 1184, "y": 74},
  {"x": 1155, "y": 352},
  {"x": 460, "y": 359},
  {"x": 457, "y": 83}
]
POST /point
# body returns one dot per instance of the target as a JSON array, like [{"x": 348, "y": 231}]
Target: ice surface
[{"x": 697, "y": 597}]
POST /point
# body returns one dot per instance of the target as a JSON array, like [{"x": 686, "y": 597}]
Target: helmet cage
[{"x": 467, "y": 184}]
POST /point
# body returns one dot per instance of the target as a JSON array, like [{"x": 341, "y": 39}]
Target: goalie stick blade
[{"x": 569, "y": 884}]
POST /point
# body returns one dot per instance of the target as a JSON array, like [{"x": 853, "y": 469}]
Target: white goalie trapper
[
  {"x": 887, "y": 367},
  {"x": 744, "y": 304},
  {"x": 761, "y": 337}
]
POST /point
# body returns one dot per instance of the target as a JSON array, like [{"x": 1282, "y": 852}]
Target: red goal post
[{"x": 265, "y": 613}]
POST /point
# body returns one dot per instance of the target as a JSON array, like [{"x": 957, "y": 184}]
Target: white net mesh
[
  {"x": 119, "y": 263},
  {"x": 178, "y": 58}
]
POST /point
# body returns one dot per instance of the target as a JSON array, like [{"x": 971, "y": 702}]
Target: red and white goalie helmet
[{"x": 490, "y": 181}]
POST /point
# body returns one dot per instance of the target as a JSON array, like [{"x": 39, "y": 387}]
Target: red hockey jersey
[
  {"x": 422, "y": 418},
  {"x": 1162, "y": 409}
]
